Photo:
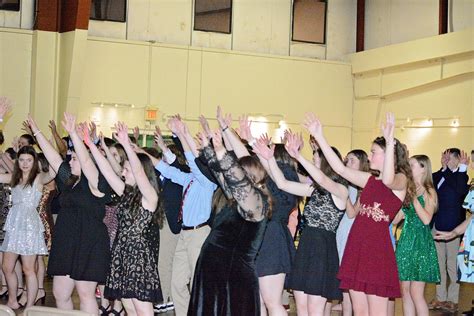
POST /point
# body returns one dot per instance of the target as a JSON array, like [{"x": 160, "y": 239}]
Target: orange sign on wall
[{"x": 151, "y": 114}]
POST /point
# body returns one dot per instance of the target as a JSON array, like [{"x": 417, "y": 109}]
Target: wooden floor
[{"x": 465, "y": 301}]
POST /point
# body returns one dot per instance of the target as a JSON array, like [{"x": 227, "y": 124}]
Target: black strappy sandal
[{"x": 104, "y": 310}]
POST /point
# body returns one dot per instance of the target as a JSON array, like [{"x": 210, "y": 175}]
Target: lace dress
[
  {"x": 23, "y": 227},
  {"x": 317, "y": 262},
  {"x": 225, "y": 280},
  {"x": 134, "y": 264}
]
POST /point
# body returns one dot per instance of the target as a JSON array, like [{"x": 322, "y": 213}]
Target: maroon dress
[{"x": 369, "y": 264}]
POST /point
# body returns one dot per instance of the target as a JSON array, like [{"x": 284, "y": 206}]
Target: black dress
[
  {"x": 317, "y": 262},
  {"x": 225, "y": 280},
  {"x": 134, "y": 265},
  {"x": 80, "y": 244},
  {"x": 278, "y": 249}
]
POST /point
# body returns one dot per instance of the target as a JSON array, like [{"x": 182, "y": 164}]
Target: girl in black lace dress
[
  {"x": 225, "y": 280},
  {"x": 313, "y": 276},
  {"x": 133, "y": 276}
]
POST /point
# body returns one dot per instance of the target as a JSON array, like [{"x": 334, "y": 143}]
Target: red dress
[{"x": 369, "y": 264}]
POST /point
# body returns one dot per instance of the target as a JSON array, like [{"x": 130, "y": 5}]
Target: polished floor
[{"x": 465, "y": 301}]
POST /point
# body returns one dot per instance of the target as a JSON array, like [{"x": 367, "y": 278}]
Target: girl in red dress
[{"x": 368, "y": 268}]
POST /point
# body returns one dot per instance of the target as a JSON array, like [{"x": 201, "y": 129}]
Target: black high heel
[
  {"x": 42, "y": 299},
  {"x": 104, "y": 310},
  {"x": 115, "y": 313}
]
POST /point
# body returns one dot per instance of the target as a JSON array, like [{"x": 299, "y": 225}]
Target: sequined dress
[
  {"x": 44, "y": 211},
  {"x": 23, "y": 227},
  {"x": 369, "y": 263},
  {"x": 416, "y": 253},
  {"x": 5, "y": 194}
]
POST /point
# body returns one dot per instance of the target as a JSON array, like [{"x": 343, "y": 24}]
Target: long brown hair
[
  {"x": 427, "y": 180},
  {"x": 258, "y": 177},
  {"x": 327, "y": 169},
  {"x": 401, "y": 166},
  {"x": 17, "y": 174}
]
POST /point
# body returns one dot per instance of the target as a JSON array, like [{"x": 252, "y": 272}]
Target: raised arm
[
  {"x": 61, "y": 145},
  {"x": 425, "y": 213},
  {"x": 87, "y": 165},
  {"x": 396, "y": 182},
  {"x": 252, "y": 203},
  {"x": 53, "y": 157},
  {"x": 297, "y": 188},
  {"x": 149, "y": 194},
  {"x": 229, "y": 134},
  {"x": 293, "y": 146},
  {"x": 113, "y": 178},
  {"x": 110, "y": 158},
  {"x": 356, "y": 177},
  {"x": 7, "y": 162}
]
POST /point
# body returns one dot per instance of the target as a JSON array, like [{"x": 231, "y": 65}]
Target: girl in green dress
[{"x": 416, "y": 253}]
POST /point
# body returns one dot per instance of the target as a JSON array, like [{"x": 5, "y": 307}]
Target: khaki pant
[
  {"x": 168, "y": 242},
  {"x": 184, "y": 261},
  {"x": 447, "y": 253}
]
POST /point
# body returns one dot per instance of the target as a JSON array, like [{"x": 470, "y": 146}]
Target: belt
[{"x": 183, "y": 227}]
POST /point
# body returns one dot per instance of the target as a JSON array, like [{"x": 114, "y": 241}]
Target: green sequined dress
[{"x": 416, "y": 253}]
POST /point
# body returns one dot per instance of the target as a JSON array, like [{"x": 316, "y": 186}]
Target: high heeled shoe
[
  {"x": 104, "y": 310},
  {"x": 42, "y": 298},
  {"x": 117, "y": 313}
]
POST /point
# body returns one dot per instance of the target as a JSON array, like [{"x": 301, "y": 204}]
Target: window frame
[
  {"x": 325, "y": 25},
  {"x": 113, "y": 20},
  {"x": 12, "y": 10},
  {"x": 230, "y": 20}
]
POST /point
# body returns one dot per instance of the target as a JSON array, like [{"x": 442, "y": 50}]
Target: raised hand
[
  {"x": 86, "y": 134},
  {"x": 5, "y": 106},
  {"x": 92, "y": 131},
  {"x": 136, "y": 132},
  {"x": 205, "y": 125},
  {"x": 388, "y": 128},
  {"x": 69, "y": 122},
  {"x": 52, "y": 125},
  {"x": 203, "y": 139},
  {"x": 121, "y": 134},
  {"x": 158, "y": 137},
  {"x": 244, "y": 130},
  {"x": 16, "y": 144},
  {"x": 445, "y": 156},
  {"x": 26, "y": 128},
  {"x": 294, "y": 144},
  {"x": 313, "y": 125},
  {"x": 217, "y": 141},
  {"x": 464, "y": 158},
  {"x": 261, "y": 147},
  {"x": 313, "y": 143},
  {"x": 224, "y": 120},
  {"x": 102, "y": 142},
  {"x": 31, "y": 122}
]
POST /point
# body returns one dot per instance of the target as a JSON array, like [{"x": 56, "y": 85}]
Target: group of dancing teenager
[{"x": 230, "y": 194}]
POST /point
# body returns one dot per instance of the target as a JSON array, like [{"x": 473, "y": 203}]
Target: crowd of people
[{"x": 203, "y": 224}]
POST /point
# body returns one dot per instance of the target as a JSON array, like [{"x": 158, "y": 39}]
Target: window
[
  {"x": 10, "y": 5},
  {"x": 309, "y": 21},
  {"x": 109, "y": 10},
  {"x": 213, "y": 15}
]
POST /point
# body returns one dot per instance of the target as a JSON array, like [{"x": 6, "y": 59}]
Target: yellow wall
[
  {"x": 432, "y": 78},
  {"x": 193, "y": 81}
]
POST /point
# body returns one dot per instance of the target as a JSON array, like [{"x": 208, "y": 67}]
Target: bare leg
[
  {"x": 360, "y": 303},
  {"x": 2, "y": 276},
  {"x": 271, "y": 288},
  {"x": 263, "y": 309},
  {"x": 391, "y": 307},
  {"x": 346, "y": 304},
  {"x": 63, "y": 286},
  {"x": 377, "y": 305},
  {"x": 86, "y": 292},
  {"x": 19, "y": 274},
  {"x": 29, "y": 268},
  {"x": 417, "y": 294},
  {"x": 408, "y": 306},
  {"x": 8, "y": 266},
  {"x": 316, "y": 305},
  {"x": 328, "y": 308},
  {"x": 301, "y": 303},
  {"x": 129, "y": 307},
  {"x": 104, "y": 303},
  {"x": 143, "y": 308},
  {"x": 41, "y": 271}
]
